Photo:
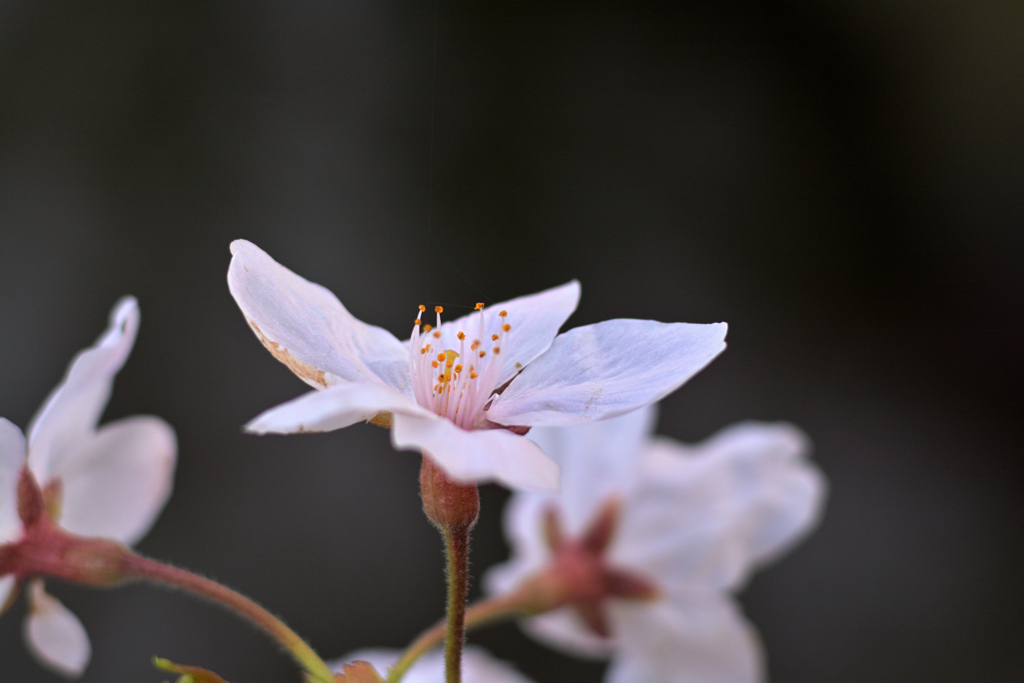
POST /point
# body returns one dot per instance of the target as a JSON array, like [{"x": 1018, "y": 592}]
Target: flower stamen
[{"x": 454, "y": 390}]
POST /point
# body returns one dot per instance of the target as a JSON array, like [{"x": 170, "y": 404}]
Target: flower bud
[{"x": 450, "y": 504}]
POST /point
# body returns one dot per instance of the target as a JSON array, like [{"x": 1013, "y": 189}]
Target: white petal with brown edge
[
  {"x": 308, "y": 329},
  {"x": 333, "y": 408}
]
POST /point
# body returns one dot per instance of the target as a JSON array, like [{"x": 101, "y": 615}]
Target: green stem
[
  {"x": 144, "y": 568},
  {"x": 457, "y": 542},
  {"x": 516, "y": 604}
]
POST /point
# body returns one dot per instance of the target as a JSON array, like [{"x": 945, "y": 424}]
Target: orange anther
[
  {"x": 422, "y": 308},
  {"x": 473, "y": 375},
  {"x": 435, "y": 363},
  {"x": 427, "y": 328},
  {"x": 418, "y": 322},
  {"x": 483, "y": 353},
  {"x": 475, "y": 345},
  {"x": 497, "y": 350},
  {"x": 441, "y": 356},
  {"x": 438, "y": 309},
  {"x": 458, "y": 368},
  {"x": 506, "y": 327},
  {"x": 503, "y": 314},
  {"x": 437, "y": 333},
  {"x": 461, "y": 336},
  {"x": 479, "y": 307},
  {"x": 494, "y": 337}
]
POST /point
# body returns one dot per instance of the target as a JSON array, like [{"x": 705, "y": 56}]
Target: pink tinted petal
[
  {"x": 333, "y": 408},
  {"x": 598, "y": 460},
  {"x": 12, "y": 459},
  {"x": 479, "y": 455},
  {"x": 706, "y": 516},
  {"x": 534, "y": 319},
  {"x": 73, "y": 409},
  {"x": 54, "y": 635},
  {"x": 478, "y": 666},
  {"x": 600, "y": 371},
  {"x": 305, "y": 326},
  {"x": 118, "y": 481},
  {"x": 696, "y": 638}
]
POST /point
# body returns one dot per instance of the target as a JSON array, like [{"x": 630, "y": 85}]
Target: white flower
[
  {"x": 444, "y": 391},
  {"x": 689, "y": 522},
  {"x": 106, "y": 482},
  {"x": 478, "y": 666}
]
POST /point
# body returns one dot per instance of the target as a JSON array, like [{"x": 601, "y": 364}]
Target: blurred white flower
[
  {"x": 108, "y": 482},
  {"x": 650, "y": 536},
  {"x": 465, "y": 390},
  {"x": 478, "y": 666}
]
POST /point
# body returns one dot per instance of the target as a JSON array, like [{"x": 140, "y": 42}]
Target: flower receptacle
[{"x": 450, "y": 504}]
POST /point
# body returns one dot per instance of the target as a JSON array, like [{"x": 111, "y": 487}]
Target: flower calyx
[
  {"x": 45, "y": 549},
  {"x": 579, "y": 575}
]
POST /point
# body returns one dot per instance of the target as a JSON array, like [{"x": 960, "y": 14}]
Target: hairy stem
[
  {"x": 138, "y": 567},
  {"x": 486, "y": 612},
  {"x": 457, "y": 541}
]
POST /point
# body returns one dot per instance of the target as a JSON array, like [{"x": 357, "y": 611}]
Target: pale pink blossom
[
  {"x": 464, "y": 390},
  {"x": 110, "y": 481},
  {"x": 680, "y": 527}
]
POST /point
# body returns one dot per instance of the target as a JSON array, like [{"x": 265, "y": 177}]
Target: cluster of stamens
[{"x": 451, "y": 383}]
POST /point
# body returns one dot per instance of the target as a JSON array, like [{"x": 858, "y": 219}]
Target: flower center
[{"x": 456, "y": 384}]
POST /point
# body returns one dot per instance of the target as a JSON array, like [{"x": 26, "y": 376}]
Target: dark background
[{"x": 841, "y": 181}]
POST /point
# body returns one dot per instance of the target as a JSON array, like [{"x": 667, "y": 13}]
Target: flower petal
[
  {"x": 696, "y": 638},
  {"x": 7, "y": 584},
  {"x": 478, "y": 666},
  {"x": 706, "y": 516},
  {"x": 54, "y": 635},
  {"x": 12, "y": 459},
  {"x": 73, "y": 409},
  {"x": 600, "y": 371},
  {"x": 523, "y": 521},
  {"x": 333, "y": 408},
  {"x": 305, "y": 326},
  {"x": 564, "y": 630},
  {"x": 535, "y": 320},
  {"x": 118, "y": 481},
  {"x": 599, "y": 460},
  {"x": 479, "y": 455}
]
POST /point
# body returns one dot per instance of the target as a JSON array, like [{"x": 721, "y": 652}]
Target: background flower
[
  {"x": 693, "y": 520},
  {"x": 110, "y": 481}
]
